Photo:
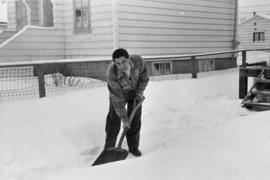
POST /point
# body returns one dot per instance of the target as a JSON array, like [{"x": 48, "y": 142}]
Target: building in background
[
  {"x": 57, "y": 29},
  {"x": 248, "y": 7},
  {"x": 255, "y": 32}
]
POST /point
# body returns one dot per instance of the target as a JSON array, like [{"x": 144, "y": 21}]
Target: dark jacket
[{"x": 120, "y": 86}]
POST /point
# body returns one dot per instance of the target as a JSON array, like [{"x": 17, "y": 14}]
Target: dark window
[
  {"x": 258, "y": 36},
  {"x": 81, "y": 16},
  {"x": 162, "y": 68},
  {"x": 48, "y": 13}
]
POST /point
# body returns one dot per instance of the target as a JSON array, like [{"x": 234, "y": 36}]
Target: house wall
[
  {"x": 59, "y": 14},
  {"x": 145, "y": 27},
  {"x": 6, "y": 35},
  {"x": 3, "y": 27},
  {"x": 34, "y": 13},
  {"x": 165, "y": 27},
  {"x": 11, "y": 9},
  {"x": 33, "y": 43},
  {"x": 246, "y": 33},
  {"x": 99, "y": 42}
]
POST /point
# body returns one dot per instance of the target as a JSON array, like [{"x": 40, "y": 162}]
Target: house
[
  {"x": 71, "y": 29},
  {"x": 255, "y": 32}
]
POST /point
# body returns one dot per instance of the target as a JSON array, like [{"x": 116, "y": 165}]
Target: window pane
[
  {"x": 256, "y": 36},
  {"x": 168, "y": 67},
  {"x": 262, "y": 36},
  {"x": 162, "y": 68},
  {"x": 157, "y": 66},
  {"x": 82, "y": 22},
  {"x": 85, "y": 17}
]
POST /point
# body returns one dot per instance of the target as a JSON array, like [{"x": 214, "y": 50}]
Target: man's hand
[
  {"x": 126, "y": 125},
  {"x": 139, "y": 97}
]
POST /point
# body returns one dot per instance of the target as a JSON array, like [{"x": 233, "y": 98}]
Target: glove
[
  {"x": 126, "y": 125},
  {"x": 139, "y": 97}
]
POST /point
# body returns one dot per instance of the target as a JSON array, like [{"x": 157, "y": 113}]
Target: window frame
[
  {"x": 258, "y": 36},
  {"x": 165, "y": 68},
  {"x": 82, "y": 30}
]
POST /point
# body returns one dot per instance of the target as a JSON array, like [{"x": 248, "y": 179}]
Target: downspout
[
  {"x": 115, "y": 34},
  {"x": 235, "y": 42}
]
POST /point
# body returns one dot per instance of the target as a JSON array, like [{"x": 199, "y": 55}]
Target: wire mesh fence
[
  {"x": 39, "y": 80},
  {"x": 17, "y": 82},
  {"x": 48, "y": 78}
]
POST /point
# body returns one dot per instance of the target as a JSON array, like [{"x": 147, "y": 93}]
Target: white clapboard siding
[
  {"x": 173, "y": 38},
  {"x": 174, "y": 25},
  {"x": 6, "y": 35},
  {"x": 173, "y": 31},
  {"x": 176, "y": 44},
  {"x": 174, "y": 12},
  {"x": 96, "y": 38},
  {"x": 174, "y": 50},
  {"x": 184, "y": 6},
  {"x": 205, "y": 3},
  {"x": 15, "y": 58},
  {"x": 59, "y": 14},
  {"x": 247, "y": 28},
  {"x": 154, "y": 27},
  {"x": 175, "y": 18},
  {"x": 34, "y": 44},
  {"x": 98, "y": 42},
  {"x": 77, "y": 53}
]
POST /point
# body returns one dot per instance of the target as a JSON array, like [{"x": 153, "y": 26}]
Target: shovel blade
[{"x": 111, "y": 155}]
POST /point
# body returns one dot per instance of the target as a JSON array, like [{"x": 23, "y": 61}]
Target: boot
[{"x": 135, "y": 152}]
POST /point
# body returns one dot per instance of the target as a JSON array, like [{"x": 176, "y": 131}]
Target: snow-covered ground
[{"x": 193, "y": 129}]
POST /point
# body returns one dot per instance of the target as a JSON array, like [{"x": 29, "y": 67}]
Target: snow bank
[{"x": 192, "y": 129}]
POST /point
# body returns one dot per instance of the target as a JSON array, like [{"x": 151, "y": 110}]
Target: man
[{"x": 127, "y": 78}]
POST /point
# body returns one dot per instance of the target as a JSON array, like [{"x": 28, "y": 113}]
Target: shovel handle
[{"x": 130, "y": 120}]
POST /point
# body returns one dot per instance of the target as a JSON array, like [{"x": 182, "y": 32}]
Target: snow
[{"x": 193, "y": 129}]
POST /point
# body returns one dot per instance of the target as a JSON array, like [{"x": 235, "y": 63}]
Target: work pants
[{"x": 113, "y": 125}]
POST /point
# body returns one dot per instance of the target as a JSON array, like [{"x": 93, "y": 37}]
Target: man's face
[{"x": 122, "y": 64}]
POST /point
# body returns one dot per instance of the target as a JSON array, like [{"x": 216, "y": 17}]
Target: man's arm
[
  {"x": 143, "y": 79},
  {"x": 116, "y": 96}
]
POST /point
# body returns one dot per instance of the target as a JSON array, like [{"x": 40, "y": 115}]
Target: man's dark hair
[{"x": 120, "y": 53}]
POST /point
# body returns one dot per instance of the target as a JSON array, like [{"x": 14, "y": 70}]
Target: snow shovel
[{"x": 116, "y": 154}]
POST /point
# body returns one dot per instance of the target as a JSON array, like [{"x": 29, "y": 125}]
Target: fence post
[
  {"x": 243, "y": 78},
  {"x": 41, "y": 82},
  {"x": 194, "y": 66},
  {"x": 244, "y": 59}
]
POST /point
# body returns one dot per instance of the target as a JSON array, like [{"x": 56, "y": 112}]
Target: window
[
  {"x": 258, "y": 36},
  {"x": 206, "y": 65},
  {"x": 48, "y": 13},
  {"x": 161, "y": 68},
  {"x": 81, "y": 16},
  {"x": 21, "y": 15}
]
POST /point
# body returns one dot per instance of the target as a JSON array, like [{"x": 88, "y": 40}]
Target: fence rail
[{"x": 33, "y": 79}]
